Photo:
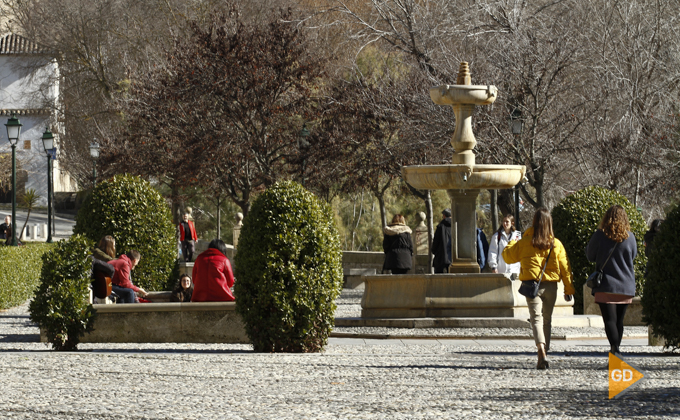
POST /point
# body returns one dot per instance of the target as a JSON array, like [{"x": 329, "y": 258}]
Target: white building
[{"x": 29, "y": 88}]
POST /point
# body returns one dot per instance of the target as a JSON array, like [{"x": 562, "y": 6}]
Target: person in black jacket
[
  {"x": 184, "y": 290},
  {"x": 398, "y": 246},
  {"x": 441, "y": 244},
  {"x": 613, "y": 237}
]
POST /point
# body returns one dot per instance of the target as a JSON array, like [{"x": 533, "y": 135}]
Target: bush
[
  {"x": 134, "y": 213},
  {"x": 19, "y": 272},
  {"x": 60, "y": 306},
  {"x": 288, "y": 270},
  {"x": 575, "y": 220},
  {"x": 661, "y": 298}
]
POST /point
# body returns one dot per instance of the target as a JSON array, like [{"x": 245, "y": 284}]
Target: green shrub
[
  {"x": 19, "y": 272},
  {"x": 134, "y": 213},
  {"x": 288, "y": 270},
  {"x": 60, "y": 306},
  {"x": 661, "y": 298},
  {"x": 575, "y": 220}
]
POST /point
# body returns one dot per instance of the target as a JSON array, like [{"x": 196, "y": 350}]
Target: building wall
[{"x": 33, "y": 95}]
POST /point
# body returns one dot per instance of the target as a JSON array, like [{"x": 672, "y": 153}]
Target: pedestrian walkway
[{"x": 353, "y": 378}]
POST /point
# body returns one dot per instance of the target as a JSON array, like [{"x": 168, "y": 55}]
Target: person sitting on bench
[{"x": 122, "y": 285}]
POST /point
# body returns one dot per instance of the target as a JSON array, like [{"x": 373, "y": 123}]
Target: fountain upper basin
[
  {"x": 463, "y": 94},
  {"x": 464, "y": 177}
]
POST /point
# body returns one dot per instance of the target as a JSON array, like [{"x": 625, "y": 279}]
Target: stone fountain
[{"x": 465, "y": 292}]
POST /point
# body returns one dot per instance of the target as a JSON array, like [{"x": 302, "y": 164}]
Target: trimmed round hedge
[
  {"x": 661, "y": 297},
  {"x": 288, "y": 271},
  {"x": 136, "y": 215},
  {"x": 575, "y": 220},
  {"x": 60, "y": 305},
  {"x": 20, "y": 267}
]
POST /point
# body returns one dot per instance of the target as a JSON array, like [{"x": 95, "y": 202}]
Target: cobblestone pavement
[{"x": 352, "y": 379}]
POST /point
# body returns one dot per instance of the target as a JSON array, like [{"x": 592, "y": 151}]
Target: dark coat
[
  {"x": 398, "y": 247},
  {"x": 441, "y": 245},
  {"x": 482, "y": 248},
  {"x": 180, "y": 294},
  {"x": 619, "y": 273}
]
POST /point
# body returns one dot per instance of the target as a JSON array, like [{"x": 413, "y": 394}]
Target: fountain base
[{"x": 448, "y": 295}]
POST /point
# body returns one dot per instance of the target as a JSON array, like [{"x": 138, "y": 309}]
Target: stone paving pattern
[{"x": 353, "y": 379}]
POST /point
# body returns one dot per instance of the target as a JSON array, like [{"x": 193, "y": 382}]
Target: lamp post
[
  {"x": 516, "y": 126},
  {"x": 303, "y": 145},
  {"x": 13, "y": 130},
  {"x": 94, "y": 152},
  {"x": 48, "y": 144}
]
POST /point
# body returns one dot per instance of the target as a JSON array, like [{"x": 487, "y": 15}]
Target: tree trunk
[
  {"x": 219, "y": 219},
  {"x": 494, "y": 210}
]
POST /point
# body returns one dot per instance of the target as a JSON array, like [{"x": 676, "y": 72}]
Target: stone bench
[{"x": 165, "y": 322}]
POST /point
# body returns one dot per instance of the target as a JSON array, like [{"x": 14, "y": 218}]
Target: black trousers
[
  {"x": 612, "y": 315},
  {"x": 188, "y": 250}
]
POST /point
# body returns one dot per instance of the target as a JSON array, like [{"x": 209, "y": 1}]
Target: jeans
[
  {"x": 126, "y": 295},
  {"x": 540, "y": 311},
  {"x": 188, "y": 248}
]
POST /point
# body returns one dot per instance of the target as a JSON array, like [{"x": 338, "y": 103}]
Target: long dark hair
[
  {"x": 219, "y": 245},
  {"x": 502, "y": 229},
  {"x": 543, "y": 231}
]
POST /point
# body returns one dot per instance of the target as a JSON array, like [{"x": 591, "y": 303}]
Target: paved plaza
[{"x": 479, "y": 378}]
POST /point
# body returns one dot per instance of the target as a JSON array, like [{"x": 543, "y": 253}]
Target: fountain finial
[{"x": 464, "y": 74}]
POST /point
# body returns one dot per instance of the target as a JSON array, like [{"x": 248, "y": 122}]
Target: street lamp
[
  {"x": 48, "y": 144},
  {"x": 94, "y": 152},
  {"x": 13, "y": 130},
  {"x": 516, "y": 126},
  {"x": 303, "y": 145}
]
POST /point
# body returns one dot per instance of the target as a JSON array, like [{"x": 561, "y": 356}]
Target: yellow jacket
[{"x": 532, "y": 260}]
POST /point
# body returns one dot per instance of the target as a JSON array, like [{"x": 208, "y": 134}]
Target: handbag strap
[
  {"x": 610, "y": 255},
  {"x": 544, "y": 265}
]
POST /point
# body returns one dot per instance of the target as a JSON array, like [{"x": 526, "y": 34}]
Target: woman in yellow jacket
[{"x": 531, "y": 252}]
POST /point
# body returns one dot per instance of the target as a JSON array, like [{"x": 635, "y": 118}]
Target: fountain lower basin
[{"x": 455, "y": 177}]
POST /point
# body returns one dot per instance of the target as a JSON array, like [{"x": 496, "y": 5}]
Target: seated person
[
  {"x": 183, "y": 291},
  {"x": 102, "y": 273},
  {"x": 105, "y": 249},
  {"x": 122, "y": 285},
  {"x": 212, "y": 275}
]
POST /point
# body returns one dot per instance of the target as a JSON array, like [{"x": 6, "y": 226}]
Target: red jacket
[
  {"x": 122, "y": 275},
  {"x": 212, "y": 277},
  {"x": 194, "y": 237}
]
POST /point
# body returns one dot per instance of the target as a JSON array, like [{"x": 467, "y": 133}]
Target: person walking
[
  {"x": 441, "y": 244},
  {"x": 482, "y": 248},
  {"x": 398, "y": 246},
  {"x": 613, "y": 248},
  {"x": 499, "y": 241},
  {"x": 539, "y": 250}
]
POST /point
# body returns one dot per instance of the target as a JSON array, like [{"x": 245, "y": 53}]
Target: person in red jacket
[
  {"x": 121, "y": 283},
  {"x": 187, "y": 236},
  {"x": 212, "y": 275}
]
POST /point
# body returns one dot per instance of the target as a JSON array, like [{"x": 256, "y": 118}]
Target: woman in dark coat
[
  {"x": 184, "y": 290},
  {"x": 617, "y": 289},
  {"x": 398, "y": 246}
]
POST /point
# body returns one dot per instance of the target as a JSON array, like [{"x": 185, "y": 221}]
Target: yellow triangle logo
[{"x": 621, "y": 376}]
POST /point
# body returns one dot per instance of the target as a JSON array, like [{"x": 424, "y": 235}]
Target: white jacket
[{"x": 495, "y": 259}]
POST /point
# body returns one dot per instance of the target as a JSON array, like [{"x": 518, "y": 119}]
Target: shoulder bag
[
  {"x": 529, "y": 288},
  {"x": 595, "y": 279}
]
